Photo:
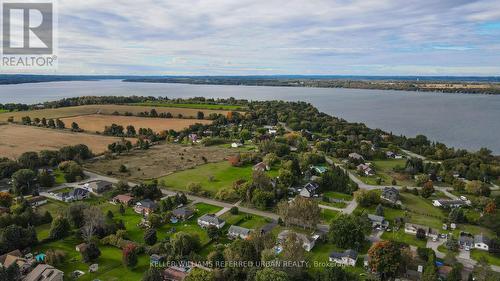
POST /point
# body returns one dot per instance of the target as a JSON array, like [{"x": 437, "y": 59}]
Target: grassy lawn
[
  {"x": 319, "y": 259},
  {"x": 328, "y": 215},
  {"x": 476, "y": 254},
  {"x": 43, "y": 231},
  {"x": 245, "y": 220},
  {"x": 53, "y": 206},
  {"x": 193, "y": 105},
  {"x": 222, "y": 173},
  {"x": 62, "y": 190},
  {"x": 110, "y": 262},
  {"x": 338, "y": 195},
  {"x": 401, "y": 236},
  {"x": 59, "y": 176},
  {"x": 340, "y": 205},
  {"x": 203, "y": 208}
]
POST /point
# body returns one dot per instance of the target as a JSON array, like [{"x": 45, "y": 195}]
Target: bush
[{"x": 234, "y": 210}]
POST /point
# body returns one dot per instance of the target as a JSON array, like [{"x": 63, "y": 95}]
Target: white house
[
  {"x": 210, "y": 219},
  {"x": 445, "y": 203},
  {"x": 411, "y": 228},
  {"x": 235, "y": 231},
  {"x": 307, "y": 241},
  {"x": 347, "y": 258},
  {"x": 481, "y": 242}
]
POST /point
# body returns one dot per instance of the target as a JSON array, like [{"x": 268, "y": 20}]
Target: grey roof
[
  {"x": 211, "y": 219},
  {"x": 311, "y": 187},
  {"x": 282, "y": 236},
  {"x": 390, "y": 193},
  {"x": 481, "y": 238},
  {"x": 446, "y": 202},
  {"x": 375, "y": 218},
  {"x": 99, "y": 184},
  {"x": 76, "y": 192},
  {"x": 268, "y": 227},
  {"x": 147, "y": 203},
  {"x": 182, "y": 212},
  {"x": 234, "y": 229},
  {"x": 347, "y": 253}
]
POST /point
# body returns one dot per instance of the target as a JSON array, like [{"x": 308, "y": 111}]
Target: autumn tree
[
  {"x": 301, "y": 211},
  {"x": 386, "y": 259},
  {"x": 490, "y": 208},
  {"x": 428, "y": 189},
  {"x": 129, "y": 255}
]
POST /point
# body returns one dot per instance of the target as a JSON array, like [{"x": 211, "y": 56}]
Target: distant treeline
[
  {"x": 488, "y": 86},
  {"x": 89, "y": 100}
]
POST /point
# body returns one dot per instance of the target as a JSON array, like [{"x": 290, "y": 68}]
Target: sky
[{"x": 242, "y": 37}]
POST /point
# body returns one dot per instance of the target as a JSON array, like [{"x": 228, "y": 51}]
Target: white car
[
  {"x": 434, "y": 239},
  {"x": 463, "y": 198},
  {"x": 467, "y": 248}
]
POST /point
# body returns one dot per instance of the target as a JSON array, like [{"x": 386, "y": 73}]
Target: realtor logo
[{"x": 27, "y": 28}]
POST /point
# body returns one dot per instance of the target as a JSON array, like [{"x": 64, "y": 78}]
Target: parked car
[
  {"x": 463, "y": 198},
  {"x": 467, "y": 248},
  {"x": 434, "y": 239}
]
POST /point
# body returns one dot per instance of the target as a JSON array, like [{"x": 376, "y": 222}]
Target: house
[
  {"x": 481, "y": 242},
  {"x": 210, "y": 219},
  {"x": 98, "y": 186},
  {"x": 74, "y": 195},
  {"x": 307, "y": 242},
  {"x": 36, "y": 201},
  {"x": 466, "y": 240},
  {"x": 378, "y": 221},
  {"x": 193, "y": 137},
  {"x": 261, "y": 166},
  {"x": 238, "y": 232},
  {"x": 124, "y": 199},
  {"x": 155, "y": 259},
  {"x": 44, "y": 272},
  {"x": 411, "y": 228},
  {"x": 347, "y": 258},
  {"x": 446, "y": 203},
  {"x": 13, "y": 257},
  {"x": 183, "y": 213},
  {"x": 355, "y": 156},
  {"x": 81, "y": 247},
  {"x": 174, "y": 273},
  {"x": 236, "y": 144},
  {"x": 310, "y": 190},
  {"x": 319, "y": 170},
  {"x": 145, "y": 206},
  {"x": 366, "y": 169},
  {"x": 267, "y": 228},
  {"x": 390, "y": 194}
]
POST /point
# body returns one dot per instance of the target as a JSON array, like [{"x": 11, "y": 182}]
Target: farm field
[
  {"x": 158, "y": 161},
  {"x": 97, "y": 122},
  {"x": 106, "y": 109},
  {"x": 17, "y": 139},
  {"x": 193, "y": 105}
]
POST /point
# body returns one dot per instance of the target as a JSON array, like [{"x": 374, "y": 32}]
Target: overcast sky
[{"x": 243, "y": 37}]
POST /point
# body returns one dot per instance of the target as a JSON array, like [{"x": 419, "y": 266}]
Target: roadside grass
[
  {"x": 42, "y": 231},
  {"x": 338, "y": 195},
  {"x": 246, "y": 220},
  {"x": 54, "y": 207},
  {"x": 401, "y": 236},
  {"x": 212, "y": 177},
  {"x": 62, "y": 190},
  {"x": 328, "y": 215},
  {"x": 476, "y": 254},
  {"x": 340, "y": 205},
  {"x": 193, "y": 105},
  {"x": 203, "y": 208}
]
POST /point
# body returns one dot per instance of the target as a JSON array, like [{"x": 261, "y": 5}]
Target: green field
[
  {"x": 401, "y": 236},
  {"x": 59, "y": 176},
  {"x": 338, "y": 195},
  {"x": 222, "y": 173},
  {"x": 476, "y": 254},
  {"x": 328, "y": 215},
  {"x": 193, "y": 105}
]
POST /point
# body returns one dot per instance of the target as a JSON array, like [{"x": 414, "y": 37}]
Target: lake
[{"x": 460, "y": 120}]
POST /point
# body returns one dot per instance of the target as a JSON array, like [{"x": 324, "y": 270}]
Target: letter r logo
[{"x": 27, "y": 28}]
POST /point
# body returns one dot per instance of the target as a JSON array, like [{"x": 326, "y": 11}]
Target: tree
[
  {"x": 60, "y": 124},
  {"x": 452, "y": 244},
  {"x": 427, "y": 189},
  {"x": 129, "y": 255},
  {"x": 150, "y": 236},
  {"x": 379, "y": 211},
  {"x": 75, "y": 215},
  {"x": 456, "y": 272},
  {"x": 234, "y": 210},
  {"x": 184, "y": 243},
  {"x": 457, "y": 215},
  {"x": 131, "y": 131},
  {"x": 335, "y": 273},
  {"x": 385, "y": 259},
  {"x": 29, "y": 160},
  {"x": 5, "y": 199},
  {"x": 213, "y": 232},
  {"x": 301, "y": 211},
  {"x": 94, "y": 220},
  {"x": 421, "y": 235},
  {"x": 430, "y": 271},
  {"x": 72, "y": 171},
  {"x": 155, "y": 220},
  {"x": 152, "y": 274},
  {"x": 198, "y": 274},
  {"x": 60, "y": 228},
  {"x": 75, "y": 127},
  {"x": 90, "y": 252},
  {"x": 24, "y": 182},
  {"x": 122, "y": 209},
  {"x": 200, "y": 115},
  {"x": 367, "y": 198},
  {"x": 270, "y": 274},
  {"x": 348, "y": 231},
  {"x": 490, "y": 208},
  {"x": 45, "y": 179}
]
